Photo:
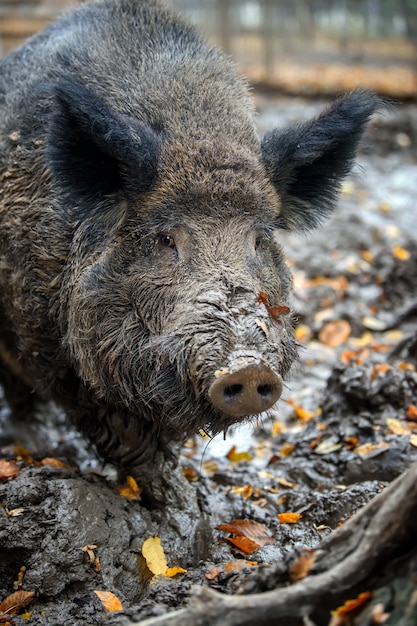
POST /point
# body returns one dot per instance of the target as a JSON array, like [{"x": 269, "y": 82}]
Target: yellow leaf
[
  {"x": 236, "y": 457},
  {"x": 154, "y": 556},
  {"x": 130, "y": 489},
  {"x": 109, "y": 601},
  {"x": 402, "y": 254},
  {"x": 173, "y": 571},
  {"x": 396, "y": 427}
]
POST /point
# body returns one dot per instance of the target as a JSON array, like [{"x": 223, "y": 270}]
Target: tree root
[{"x": 348, "y": 561}]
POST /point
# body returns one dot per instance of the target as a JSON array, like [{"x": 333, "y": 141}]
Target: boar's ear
[
  {"x": 307, "y": 162},
  {"x": 93, "y": 151}
]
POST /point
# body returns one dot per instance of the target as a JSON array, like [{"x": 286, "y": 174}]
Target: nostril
[
  {"x": 231, "y": 391},
  {"x": 264, "y": 391}
]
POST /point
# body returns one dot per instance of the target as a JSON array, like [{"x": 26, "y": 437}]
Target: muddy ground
[{"x": 345, "y": 428}]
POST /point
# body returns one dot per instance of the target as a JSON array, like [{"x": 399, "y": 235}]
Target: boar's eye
[
  {"x": 167, "y": 241},
  {"x": 258, "y": 242}
]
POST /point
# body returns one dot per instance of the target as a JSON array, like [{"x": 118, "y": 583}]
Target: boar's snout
[{"x": 248, "y": 388}]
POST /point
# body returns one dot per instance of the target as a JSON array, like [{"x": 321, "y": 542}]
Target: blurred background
[{"x": 303, "y": 47}]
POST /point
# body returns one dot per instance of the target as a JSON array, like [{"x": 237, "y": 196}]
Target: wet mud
[{"x": 345, "y": 429}]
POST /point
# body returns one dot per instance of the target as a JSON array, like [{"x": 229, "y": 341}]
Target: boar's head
[{"x": 177, "y": 293}]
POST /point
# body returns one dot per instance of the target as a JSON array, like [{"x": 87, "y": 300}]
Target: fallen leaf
[
  {"x": 285, "y": 483},
  {"x": 212, "y": 574},
  {"x": 349, "y": 607},
  {"x": 14, "y": 603},
  {"x": 190, "y": 474},
  {"x": 381, "y": 368},
  {"x": 236, "y": 566},
  {"x": 8, "y": 469},
  {"x": 154, "y": 556},
  {"x": 402, "y": 254},
  {"x": 411, "y": 413},
  {"x": 287, "y": 449},
  {"x": 369, "y": 450},
  {"x": 396, "y": 427},
  {"x": 250, "y": 535},
  {"x": 52, "y": 462},
  {"x": 274, "y": 311},
  {"x": 303, "y": 565},
  {"x": 237, "y": 457},
  {"x": 334, "y": 334},
  {"x": 278, "y": 428},
  {"x": 109, "y": 600},
  {"x": 15, "y": 512},
  {"x": 373, "y": 323},
  {"x": 246, "y": 491},
  {"x": 327, "y": 446},
  {"x": 174, "y": 571},
  {"x": 289, "y": 518},
  {"x": 130, "y": 489},
  {"x": 302, "y": 414}
]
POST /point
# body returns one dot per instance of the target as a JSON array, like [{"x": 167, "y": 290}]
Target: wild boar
[{"x": 143, "y": 287}]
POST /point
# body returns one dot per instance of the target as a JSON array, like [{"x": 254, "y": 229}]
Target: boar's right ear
[
  {"x": 93, "y": 151},
  {"x": 307, "y": 162}
]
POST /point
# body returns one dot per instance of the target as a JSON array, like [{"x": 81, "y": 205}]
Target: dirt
[{"x": 343, "y": 431}]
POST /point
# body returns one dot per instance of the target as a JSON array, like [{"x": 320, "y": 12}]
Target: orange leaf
[
  {"x": 212, "y": 574},
  {"x": 352, "y": 605},
  {"x": 381, "y": 368},
  {"x": 14, "y": 603},
  {"x": 130, "y": 489},
  {"x": 8, "y": 469},
  {"x": 109, "y": 601},
  {"x": 289, "y": 518},
  {"x": 250, "y": 535},
  {"x": 55, "y": 463},
  {"x": 244, "y": 544},
  {"x": 402, "y": 254},
  {"x": 190, "y": 474},
  {"x": 334, "y": 334},
  {"x": 411, "y": 414}
]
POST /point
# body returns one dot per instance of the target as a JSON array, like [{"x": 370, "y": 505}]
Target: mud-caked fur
[{"x": 139, "y": 215}]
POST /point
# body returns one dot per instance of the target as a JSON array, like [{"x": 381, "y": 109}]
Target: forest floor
[{"x": 260, "y": 503}]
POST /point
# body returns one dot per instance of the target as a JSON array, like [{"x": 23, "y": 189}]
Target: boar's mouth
[{"x": 248, "y": 387}]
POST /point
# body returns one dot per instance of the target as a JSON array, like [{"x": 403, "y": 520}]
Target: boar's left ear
[
  {"x": 307, "y": 162},
  {"x": 94, "y": 151}
]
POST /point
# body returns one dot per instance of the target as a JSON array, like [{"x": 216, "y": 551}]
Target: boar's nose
[{"x": 247, "y": 388}]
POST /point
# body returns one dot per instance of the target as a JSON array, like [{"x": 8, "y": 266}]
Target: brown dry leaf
[
  {"x": 403, "y": 365},
  {"x": 303, "y": 565},
  {"x": 89, "y": 550},
  {"x": 8, "y": 469},
  {"x": 303, "y": 333},
  {"x": 274, "y": 311},
  {"x": 210, "y": 467},
  {"x": 190, "y": 474},
  {"x": 413, "y": 440},
  {"x": 351, "y": 442},
  {"x": 349, "y": 607},
  {"x": 334, "y": 334},
  {"x": 130, "y": 489},
  {"x": 289, "y": 518},
  {"x": 237, "y": 457},
  {"x": 14, "y": 603},
  {"x": 250, "y": 535},
  {"x": 396, "y": 427},
  {"x": 285, "y": 483},
  {"x": 109, "y": 600},
  {"x": 15, "y": 512}
]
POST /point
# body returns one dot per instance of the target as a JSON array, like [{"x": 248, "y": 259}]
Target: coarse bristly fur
[{"x": 139, "y": 216}]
